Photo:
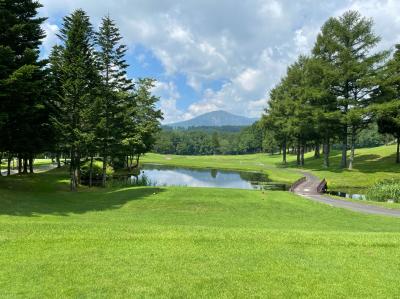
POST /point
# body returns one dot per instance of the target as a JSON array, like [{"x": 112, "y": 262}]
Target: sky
[{"x": 209, "y": 55}]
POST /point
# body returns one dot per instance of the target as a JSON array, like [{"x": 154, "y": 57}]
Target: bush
[
  {"x": 385, "y": 190},
  {"x": 97, "y": 171}
]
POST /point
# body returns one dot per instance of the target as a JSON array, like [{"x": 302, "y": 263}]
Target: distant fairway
[{"x": 188, "y": 243}]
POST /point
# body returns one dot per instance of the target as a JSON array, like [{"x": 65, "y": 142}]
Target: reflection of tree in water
[
  {"x": 214, "y": 173},
  {"x": 254, "y": 177}
]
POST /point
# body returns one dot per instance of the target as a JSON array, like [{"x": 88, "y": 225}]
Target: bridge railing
[
  {"x": 297, "y": 183},
  {"x": 322, "y": 187}
]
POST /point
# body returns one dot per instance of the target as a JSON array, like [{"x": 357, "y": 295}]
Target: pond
[{"x": 162, "y": 175}]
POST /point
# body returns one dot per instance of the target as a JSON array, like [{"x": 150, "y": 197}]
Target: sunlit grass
[{"x": 187, "y": 243}]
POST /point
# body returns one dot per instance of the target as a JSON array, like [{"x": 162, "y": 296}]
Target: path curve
[
  {"x": 308, "y": 189},
  {"x": 36, "y": 169}
]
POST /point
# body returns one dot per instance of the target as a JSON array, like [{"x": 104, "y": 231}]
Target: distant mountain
[{"x": 215, "y": 119}]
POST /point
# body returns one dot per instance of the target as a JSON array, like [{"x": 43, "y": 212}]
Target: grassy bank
[
  {"x": 370, "y": 165},
  {"x": 187, "y": 242}
]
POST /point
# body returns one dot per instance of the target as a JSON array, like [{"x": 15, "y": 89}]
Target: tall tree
[
  {"x": 345, "y": 43},
  {"x": 79, "y": 80},
  {"x": 23, "y": 115},
  {"x": 387, "y": 108},
  {"x": 113, "y": 70}
]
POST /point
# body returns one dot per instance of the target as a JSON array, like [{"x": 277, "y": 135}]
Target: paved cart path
[
  {"x": 36, "y": 169},
  {"x": 308, "y": 189}
]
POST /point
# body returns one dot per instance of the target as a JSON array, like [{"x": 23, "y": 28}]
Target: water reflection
[{"x": 161, "y": 175}]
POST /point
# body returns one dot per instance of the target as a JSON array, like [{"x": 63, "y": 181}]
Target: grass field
[
  {"x": 187, "y": 243},
  {"x": 370, "y": 165}
]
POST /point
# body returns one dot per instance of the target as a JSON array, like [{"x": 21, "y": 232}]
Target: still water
[{"x": 161, "y": 175}]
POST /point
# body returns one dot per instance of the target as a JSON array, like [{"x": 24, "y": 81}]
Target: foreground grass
[
  {"x": 187, "y": 243},
  {"x": 370, "y": 166}
]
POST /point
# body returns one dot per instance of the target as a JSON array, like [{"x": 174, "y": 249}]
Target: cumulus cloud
[
  {"x": 50, "y": 40},
  {"x": 245, "y": 44}
]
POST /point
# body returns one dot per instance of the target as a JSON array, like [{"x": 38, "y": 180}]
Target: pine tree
[
  {"x": 24, "y": 114},
  {"x": 345, "y": 44},
  {"x": 142, "y": 120},
  {"x": 112, "y": 105},
  {"x": 79, "y": 81},
  {"x": 387, "y": 107}
]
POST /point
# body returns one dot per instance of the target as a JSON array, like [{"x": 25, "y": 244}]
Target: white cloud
[
  {"x": 169, "y": 95},
  {"x": 246, "y": 44},
  {"x": 51, "y": 39}
]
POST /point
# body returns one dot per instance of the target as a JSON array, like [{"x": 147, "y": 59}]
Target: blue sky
[{"x": 209, "y": 55}]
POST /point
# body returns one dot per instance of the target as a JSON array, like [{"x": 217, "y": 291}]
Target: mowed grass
[
  {"x": 370, "y": 165},
  {"x": 187, "y": 243}
]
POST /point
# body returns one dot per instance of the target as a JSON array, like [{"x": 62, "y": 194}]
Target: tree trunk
[
  {"x": 398, "y": 150},
  {"x": 25, "y": 165},
  {"x": 104, "y": 181},
  {"x": 343, "y": 163},
  {"x": 9, "y": 165},
  {"x": 91, "y": 172},
  {"x": 19, "y": 164},
  {"x": 73, "y": 171},
  {"x": 353, "y": 145},
  {"x": 298, "y": 154},
  {"x": 284, "y": 160},
  {"x": 58, "y": 160},
  {"x": 30, "y": 163},
  {"x": 302, "y": 149},
  {"x": 317, "y": 153},
  {"x": 326, "y": 153}
]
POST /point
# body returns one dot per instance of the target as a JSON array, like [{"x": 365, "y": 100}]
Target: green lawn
[
  {"x": 370, "y": 165},
  {"x": 187, "y": 243}
]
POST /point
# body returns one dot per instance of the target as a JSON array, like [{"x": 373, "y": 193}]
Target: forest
[{"x": 78, "y": 104}]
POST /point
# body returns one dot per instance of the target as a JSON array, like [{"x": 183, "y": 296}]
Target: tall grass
[{"x": 385, "y": 190}]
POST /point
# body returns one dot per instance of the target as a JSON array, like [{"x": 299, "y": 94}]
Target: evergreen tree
[
  {"x": 345, "y": 44},
  {"x": 24, "y": 112},
  {"x": 387, "y": 109},
  {"x": 112, "y": 105},
  {"x": 142, "y": 120},
  {"x": 79, "y": 83}
]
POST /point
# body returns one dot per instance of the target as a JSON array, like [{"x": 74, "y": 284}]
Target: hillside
[{"x": 215, "y": 119}]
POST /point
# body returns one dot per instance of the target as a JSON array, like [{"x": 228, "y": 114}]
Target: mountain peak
[{"x": 217, "y": 118}]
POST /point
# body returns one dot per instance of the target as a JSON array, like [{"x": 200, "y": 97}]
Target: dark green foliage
[
  {"x": 387, "y": 109},
  {"x": 24, "y": 115},
  {"x": 79, "y": 82},
  {"x": 345, "y": 45}
]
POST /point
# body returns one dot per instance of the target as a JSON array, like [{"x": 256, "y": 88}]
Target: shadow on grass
[
  {"x": 47, "y": 194},
  {"x": 364, "y": 163}
]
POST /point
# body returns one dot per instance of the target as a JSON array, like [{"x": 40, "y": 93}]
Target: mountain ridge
[{"x": 217, "y": 118}]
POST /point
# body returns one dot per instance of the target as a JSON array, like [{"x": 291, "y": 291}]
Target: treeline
[
  {"x": 333, "y": 94},
  {"x": 79, "y": 103},
  {"x": 210, "y": 140}
]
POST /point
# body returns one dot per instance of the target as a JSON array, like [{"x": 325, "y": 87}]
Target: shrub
[
  {"x": 385, "y": 190},
  {"x": 97, "y": 171}
]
